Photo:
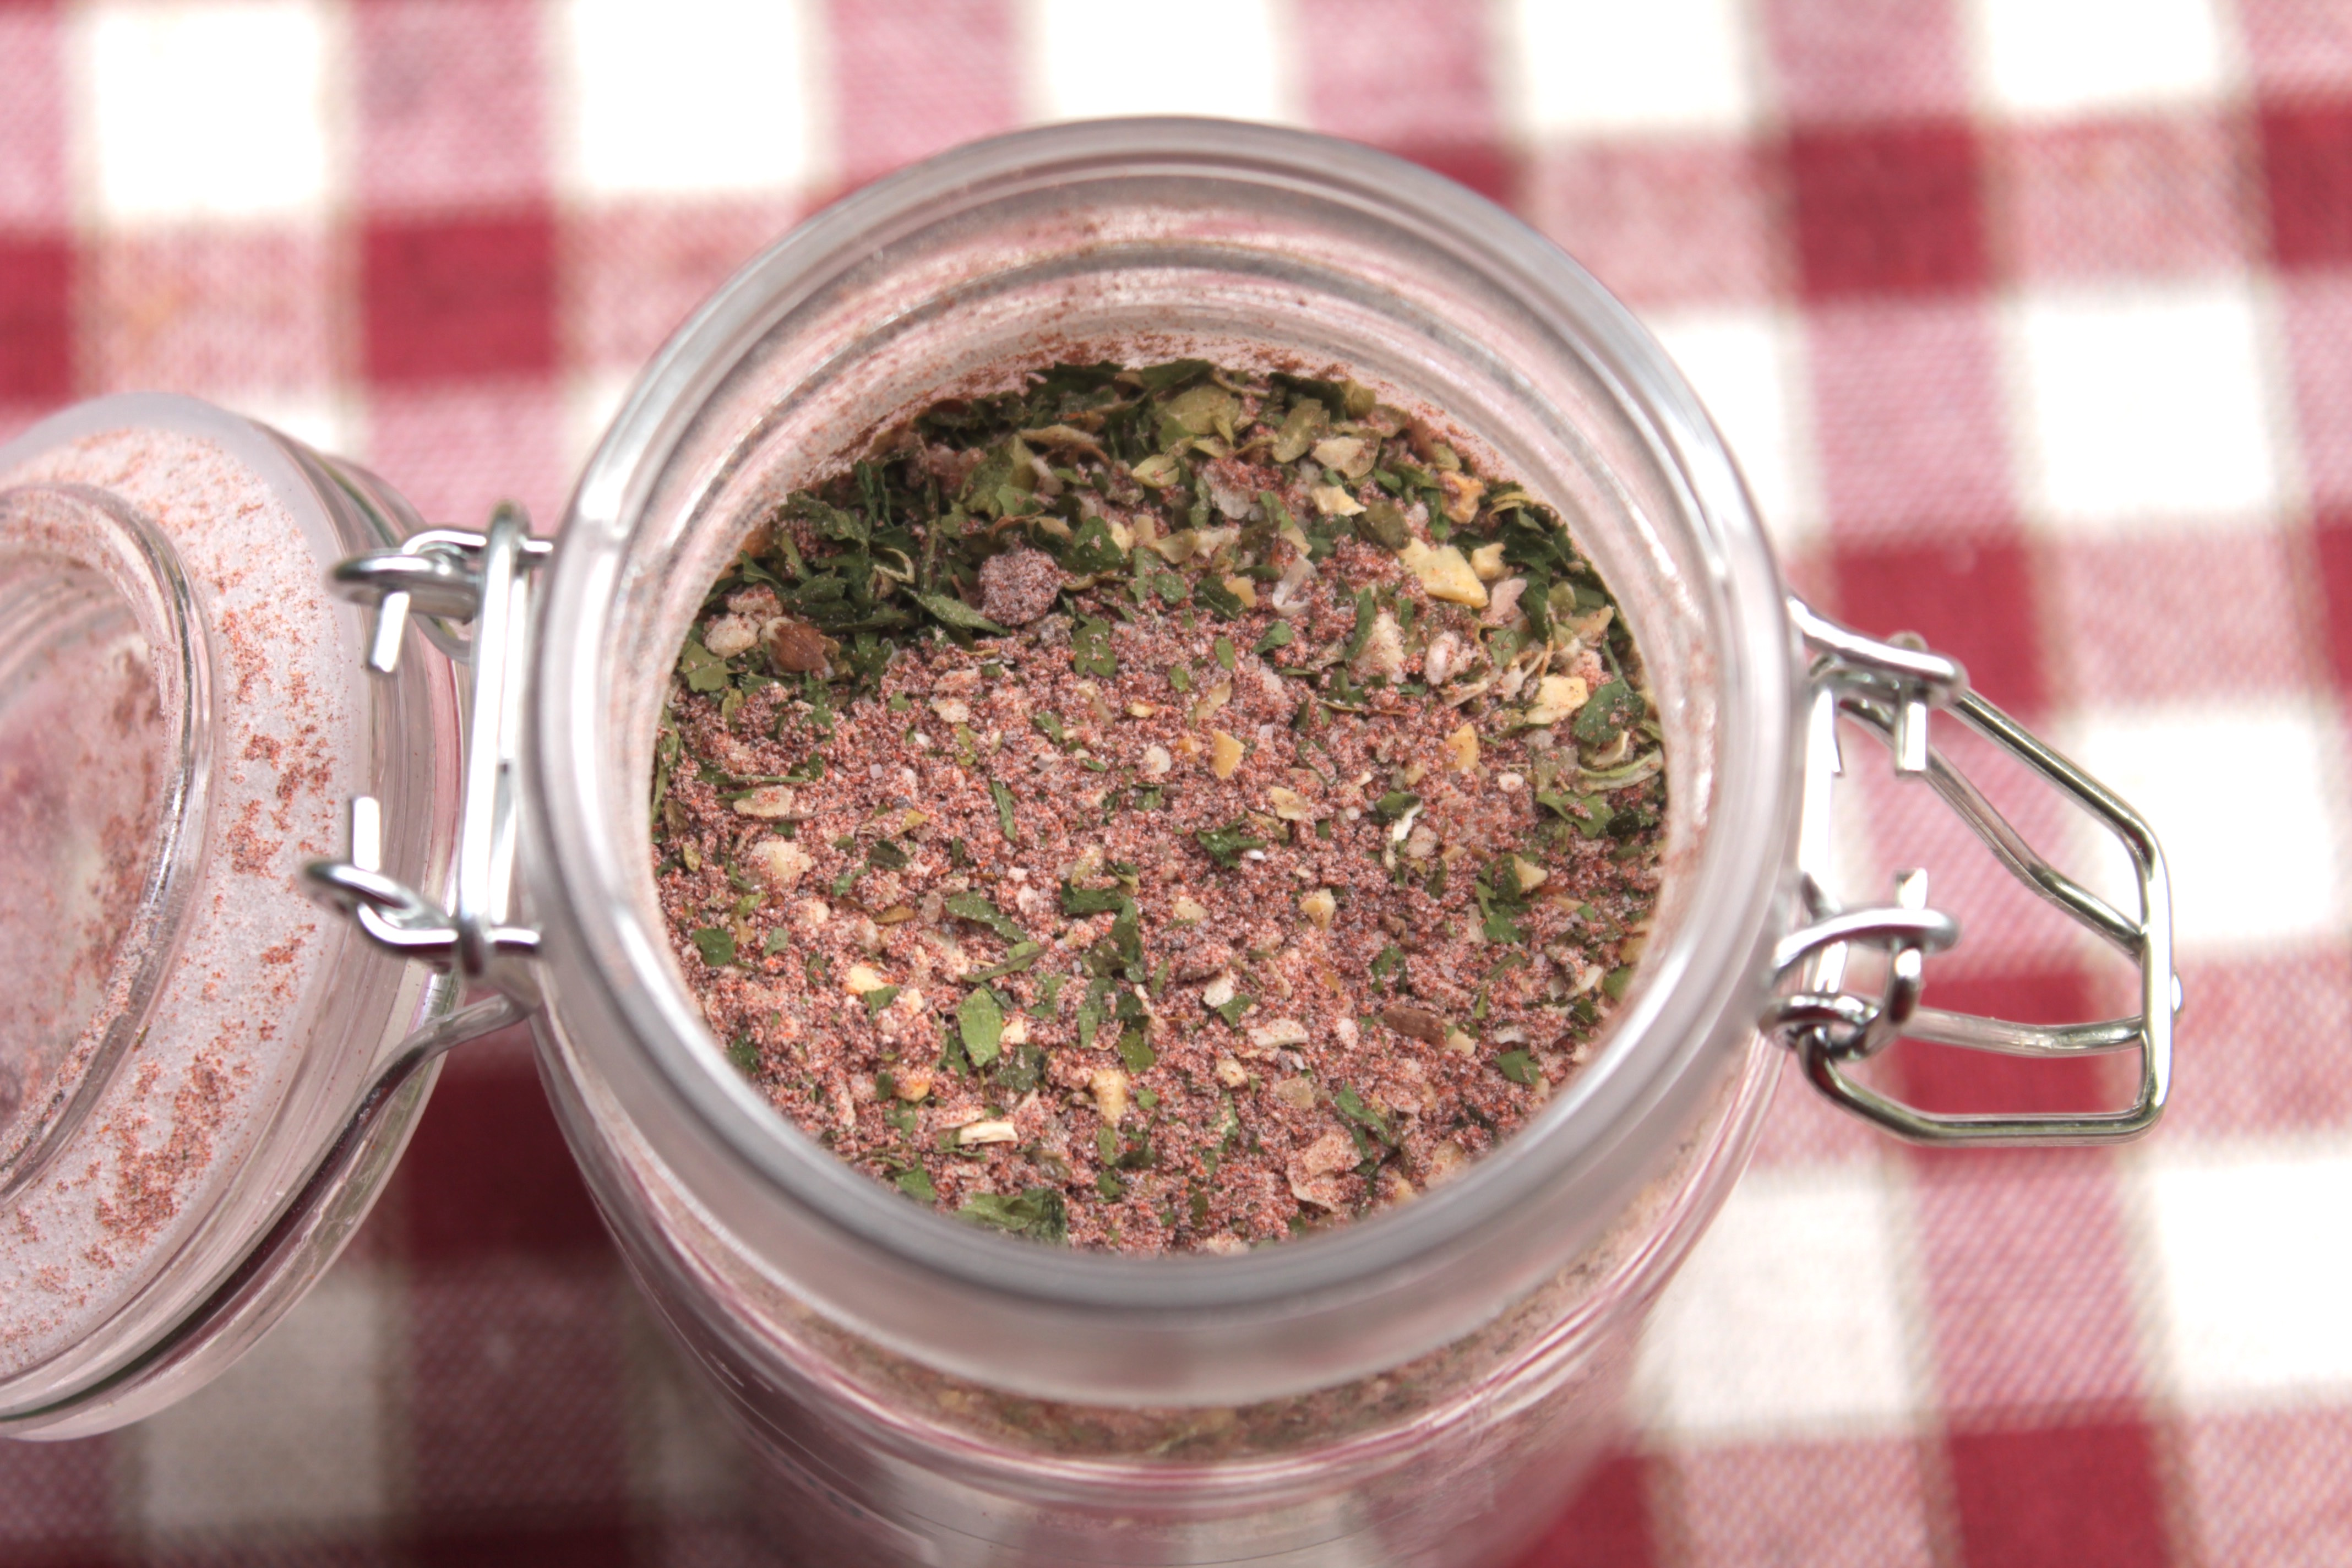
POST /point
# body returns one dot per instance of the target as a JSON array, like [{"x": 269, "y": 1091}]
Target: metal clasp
[
  {"x": 450, "y": 575},
  {"x": 1889, "y": 688}
]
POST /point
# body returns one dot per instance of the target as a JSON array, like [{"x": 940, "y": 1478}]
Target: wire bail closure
[
  {"x": 451, "y": 575},
  {"x": 1889, "y": 687}
]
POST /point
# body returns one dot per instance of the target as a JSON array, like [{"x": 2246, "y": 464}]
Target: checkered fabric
[{"x": 2030, "y": 321}]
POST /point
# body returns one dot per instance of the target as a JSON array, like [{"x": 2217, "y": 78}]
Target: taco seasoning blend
[{"x": 1160, "y": 807}]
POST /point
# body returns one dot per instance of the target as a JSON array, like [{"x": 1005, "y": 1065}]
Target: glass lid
[
  {"x": 104, "y": 776},
  {"x": 184, "y": 714}
]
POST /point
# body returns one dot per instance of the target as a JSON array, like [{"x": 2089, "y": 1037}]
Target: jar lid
[
  {"x": 104, "y": 765},
  {"x": 184, "y": 712}
]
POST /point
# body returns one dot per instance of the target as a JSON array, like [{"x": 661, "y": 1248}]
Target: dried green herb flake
[
  {"x": 1090, "y": 651},
  {"x": 981, "y": 1022},
  {"x": 1004, "y": 798},
  {"x": 977, "y": 908},
  {"x": 1225, "y": 845},
  {"x": 1607, "y": 713},
  {"x": 1037, "y": 1213}
]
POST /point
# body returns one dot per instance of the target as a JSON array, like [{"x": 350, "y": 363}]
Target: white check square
[
  {"x": 1747, "y": 370},
  {"x": 324, "y": 420},
  {"x": 292, "y": 1434},
  {"x": 1221, "y": 57},
  {"x": 1599, "y": 68},
  {"x": 206, "y": 111},
  {"x": 2251, "y": 1251},
  {"x": 1787, "y": 1315},
  {"x": 2255, "y": 862},
  {"x": 2082, "y": 57},
  {"x": 690, "y": 98},
  {"x": 590, "y": 403},
  {"x": 2143, "y": 405}
]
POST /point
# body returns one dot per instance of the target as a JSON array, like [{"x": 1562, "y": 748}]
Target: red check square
[
  {"x": 450, "y": 300},
  {"x": 1608, "y": 1525},
  {"x": 580, "y": 1541},
  {"x": 1951, "y": 1079},
  {"x": 2332, "y": 542},
  {"x": 490, "y": 1174},
  {"x": 1973, "y": 598},
  {"x": 2060, "y": 1497},
  {"x": 2307, "y": 156},
  {"x": 36, "y": 354},
  {"x": 1888, "y": 208}
]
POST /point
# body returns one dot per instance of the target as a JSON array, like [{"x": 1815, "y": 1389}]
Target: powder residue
[
  {"x": 81, "y": 773},
  {"x": 161, "y": 1146}
]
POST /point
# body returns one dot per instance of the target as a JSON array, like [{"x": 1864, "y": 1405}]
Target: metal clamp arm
[
  {"x": 447, "y": 576},
  {"x": 1888, "y": 688}
]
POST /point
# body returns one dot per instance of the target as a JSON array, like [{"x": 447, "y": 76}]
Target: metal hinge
[
  {"x": 1889, "y": 688},
  {"x": 449, "y": 575}
]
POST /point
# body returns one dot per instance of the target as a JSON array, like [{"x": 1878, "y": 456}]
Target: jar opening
[
  {"x": 103, "y": 671},
  {"x": 1166, "y": 239}
]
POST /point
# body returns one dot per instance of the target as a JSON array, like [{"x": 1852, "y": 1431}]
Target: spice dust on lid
[{"x": 179, "y": 723}]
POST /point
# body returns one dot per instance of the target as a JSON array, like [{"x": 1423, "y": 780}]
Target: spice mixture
[{"x": 1159, "y": 808}]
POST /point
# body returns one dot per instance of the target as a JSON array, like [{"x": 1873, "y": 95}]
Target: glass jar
[{"x": 1418, "y": 1387}]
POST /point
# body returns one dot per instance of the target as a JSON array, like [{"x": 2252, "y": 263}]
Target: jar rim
[{"x": 1704, "y": 980}]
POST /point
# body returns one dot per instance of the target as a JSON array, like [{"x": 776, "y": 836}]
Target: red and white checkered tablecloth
[{"x": 2031, "y": 323}]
